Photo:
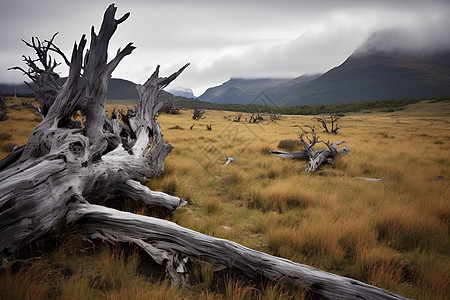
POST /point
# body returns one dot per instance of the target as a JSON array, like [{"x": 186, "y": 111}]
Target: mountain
[
  {"x": 119, "y": 89},
  {"x": 181, "y": 91},
  {"x": 19, "y": 89},
  {"x": 285, "y": 89},
  {"x": 240, "y": 90},
  {"x": 382, "y": 68}
]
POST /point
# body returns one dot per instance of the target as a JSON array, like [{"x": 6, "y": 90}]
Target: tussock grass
[
  {"x": 393, "y": 233},
  {"x": 280, "y": 196},
  {"x": 290, "y": 145}
]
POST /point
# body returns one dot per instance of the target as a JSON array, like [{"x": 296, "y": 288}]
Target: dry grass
[{"x": 393, "y": 234}]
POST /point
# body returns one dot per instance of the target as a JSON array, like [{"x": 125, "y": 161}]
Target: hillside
[
  {"x": 378, "y": 75},
  {"x": 240, "y": 90},
  {"x": 119, "y": 89},
  {"x": 389, "y": 65},
  {"x": 385, "y": 67}
]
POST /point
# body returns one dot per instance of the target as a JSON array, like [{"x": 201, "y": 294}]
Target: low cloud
[{"x": 283, "y": 38}]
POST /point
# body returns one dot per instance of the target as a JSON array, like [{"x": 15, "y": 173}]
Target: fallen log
[
  {"x": 66, "y": 166},
  {"x": 315, "y": 157},
  {"x": 164, "y": 240}
]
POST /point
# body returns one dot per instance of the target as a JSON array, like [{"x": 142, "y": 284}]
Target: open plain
[{"x": 392, "y": 233}]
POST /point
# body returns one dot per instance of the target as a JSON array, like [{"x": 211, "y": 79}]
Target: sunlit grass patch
[
  {"x": 280, "y": 196},
  {"x": 403, "y": 229}
]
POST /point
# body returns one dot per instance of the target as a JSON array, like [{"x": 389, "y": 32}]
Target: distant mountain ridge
[
  {"x": 389, "y": 65},
  {"x": 382, "y": 68},
  {"x": 240, "y": 90},
  {"x": 119, "y": 89},
  {"x": 181, "y": 91}
]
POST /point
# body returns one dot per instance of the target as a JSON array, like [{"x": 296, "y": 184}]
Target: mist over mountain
[
  {"x": 387, "y": 66},
  {"x": 391, "y": 64},
  {"x": 181, "y": 91}
]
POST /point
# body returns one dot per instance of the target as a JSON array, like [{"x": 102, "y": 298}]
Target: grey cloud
[{"x": 283, "y": 38}]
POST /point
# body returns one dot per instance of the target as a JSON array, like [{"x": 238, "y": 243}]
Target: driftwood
[
  {"x": 59, "y": 174},
  {"x": 315, "y": 157}
]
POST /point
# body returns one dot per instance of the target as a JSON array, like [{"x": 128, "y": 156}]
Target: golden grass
[{"x": 393, "y": 234}]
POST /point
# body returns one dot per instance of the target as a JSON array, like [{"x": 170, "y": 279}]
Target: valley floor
[{"x": 393, "y": 233}]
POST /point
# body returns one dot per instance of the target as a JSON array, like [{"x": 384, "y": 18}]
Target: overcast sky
[{"x": 221, "y": 39}]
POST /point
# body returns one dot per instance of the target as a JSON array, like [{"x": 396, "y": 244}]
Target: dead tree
[
  {"x": 55, "y": 179},
  {"x": 274, "y": 116},
  {"x": 315, "y": 157},
  {"x": 331, "y": 119},
  {"x": 198, "y": 114},
  {"x": 256, "y": 118},
  {"x": 170, "y": 108},
  {"x": 41, "y": 71}
]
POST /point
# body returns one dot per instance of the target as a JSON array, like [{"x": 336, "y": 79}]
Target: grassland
[{"x": 392, "y": 233}]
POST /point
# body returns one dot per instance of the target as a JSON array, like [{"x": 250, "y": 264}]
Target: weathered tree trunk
[
  {"x": 315, "y": 157},
  {"x": 63, "y": 168},
  {"x": 60, "y": 164},
  {"x": 162, "y": 240}
]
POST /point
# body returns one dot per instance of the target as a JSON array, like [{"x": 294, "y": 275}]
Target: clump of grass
[
  {"x": 384, "y": 135},
  {"x": 234, "y": 289},
  {"x": 404, "y": 231},
  {"x": 266, "y": 151},
  {"x": 4, "y": 136},
  {"x": 281, "y": 196},
  {"x": 211, "y": 205},
  {"x": 176, "y": 127},
  {"x": 289, "y": 145},
  {"x": 204, "y": 274}
]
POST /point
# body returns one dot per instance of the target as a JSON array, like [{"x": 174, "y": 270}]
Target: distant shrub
[
  {"x": 176, "y": 127},
  {"x": 265, "y": 151},
  {"x": 5, "y": 136},
  {"x": 289, "y": 145}
]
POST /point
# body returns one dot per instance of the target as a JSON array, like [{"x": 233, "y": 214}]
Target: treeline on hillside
[{"x": 382, "y": 105}]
